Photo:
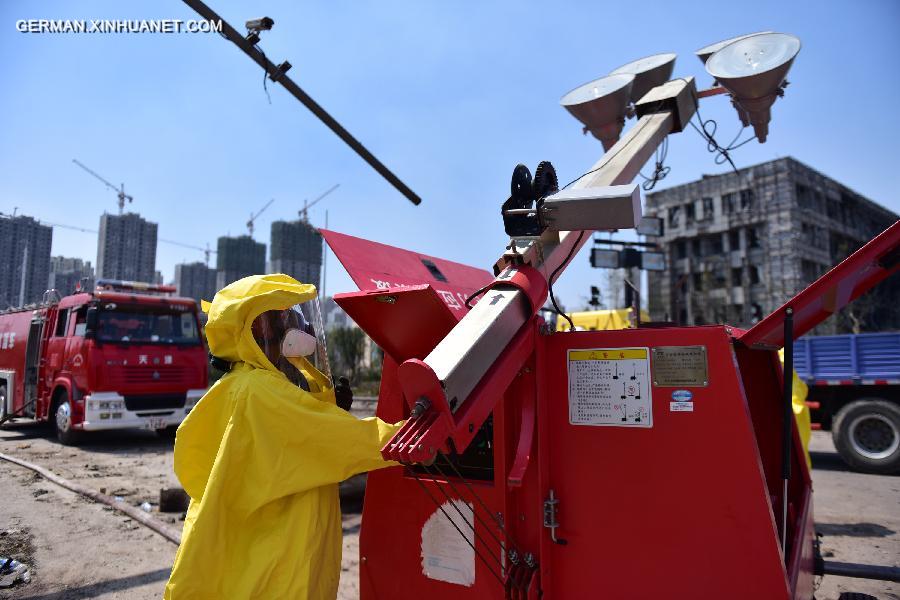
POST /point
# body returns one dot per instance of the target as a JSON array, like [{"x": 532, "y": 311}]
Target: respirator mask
[{"x": 293, "y": 340}]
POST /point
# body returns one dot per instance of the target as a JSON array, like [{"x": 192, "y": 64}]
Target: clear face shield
[
  {"x": 309, "y": 315},
  {"x": 293, "y": 340}
]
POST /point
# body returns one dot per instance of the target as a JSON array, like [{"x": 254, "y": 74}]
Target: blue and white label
[{"x": 682, "y": 401}]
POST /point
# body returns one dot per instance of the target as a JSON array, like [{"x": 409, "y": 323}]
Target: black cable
[
  {"x": 455, "y": 526},
  {"x": 553, "y": 275},
  {"x": 748, "y": 140},
  {"x": 454, "y": 502},
  {"x": 265, "y": 74},
  {"x": 661, "y": 169},
  {"x": 477, "y": 293}
]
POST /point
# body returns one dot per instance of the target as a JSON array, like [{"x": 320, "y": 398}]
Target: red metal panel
[
  {"x": 378, "y": 266},
  {"x": 678, "y": 510},
  {"x": 404, "y": 322},
  {"x": 835, "y": 289}
]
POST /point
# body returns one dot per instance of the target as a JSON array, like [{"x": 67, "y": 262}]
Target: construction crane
[
  {"x": 120, "y": 191},
  {"x": 304, "y": 216},
  {"x": 259, "y": 212},
  {"x": 206, "y": 251}
]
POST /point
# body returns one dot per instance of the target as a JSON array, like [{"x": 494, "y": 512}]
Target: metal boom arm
[{"x": 490, "y": 336}]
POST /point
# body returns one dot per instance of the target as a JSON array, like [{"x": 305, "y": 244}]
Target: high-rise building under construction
[
  {"x": 296, "y": 251},
  {"x": 126, "y": 248},
  {"x": 238, "y": 257},
  {"x": 66, "y": 274},
  {"x": 739, "y": 245},
  {"x": 25, "y": 265},
  {"x": 195, "y": 280}
]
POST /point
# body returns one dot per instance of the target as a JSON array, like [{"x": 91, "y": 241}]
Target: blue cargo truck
[{"x": 854, "y": 391}]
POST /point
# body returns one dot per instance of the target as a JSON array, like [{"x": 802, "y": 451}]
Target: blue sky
[{"x": 449, "y": 95}]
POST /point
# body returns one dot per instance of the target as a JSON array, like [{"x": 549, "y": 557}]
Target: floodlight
[
  {"x": 650, "y": 226},
  {"x": 648, "y": 72},
  {"x": 653, "y": 261},
  {"x": 753, "y": 69},
  {"x": 600, "y": 105},
  {"x": 602, "y": 258},
  {"x": 705, "y": 52}
]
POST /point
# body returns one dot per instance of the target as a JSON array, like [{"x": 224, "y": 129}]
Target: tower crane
[
  {"x": 120, "y": 191},
  {"x": 304, "y": 216},
  {"x": 206, "y": 251},
  {"x": 259, "y": 212}
]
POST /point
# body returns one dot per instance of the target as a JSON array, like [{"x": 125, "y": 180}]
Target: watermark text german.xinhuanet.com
[{"x": 118, "y": 26}]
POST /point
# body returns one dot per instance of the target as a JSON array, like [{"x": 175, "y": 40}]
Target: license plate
[{"x": 155, "y": 423}]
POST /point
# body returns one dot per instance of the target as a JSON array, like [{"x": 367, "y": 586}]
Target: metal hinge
[{"x": 550, "y": 522}]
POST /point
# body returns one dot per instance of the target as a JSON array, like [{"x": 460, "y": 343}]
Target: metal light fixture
[
  {"x": 648, "y": 72},
  {"x": 600, "y": 105},
  {"x": 705, "y": 52},
  {"x": 753, "y": 70}
]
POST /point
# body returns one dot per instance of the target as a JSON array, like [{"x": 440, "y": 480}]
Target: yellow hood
[{"x": 234, "y": 308}]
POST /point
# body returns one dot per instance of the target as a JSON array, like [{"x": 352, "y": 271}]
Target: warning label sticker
[{"x": 610, "y": 386}]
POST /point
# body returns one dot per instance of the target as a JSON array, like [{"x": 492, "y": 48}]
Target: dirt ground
[{"x": 79, "y": 549}]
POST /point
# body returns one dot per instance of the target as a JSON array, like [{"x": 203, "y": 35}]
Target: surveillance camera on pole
[{"x": 260, "y": 24}]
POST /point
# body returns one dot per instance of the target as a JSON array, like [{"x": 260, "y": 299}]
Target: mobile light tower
[{"x": 620, "y": 464}]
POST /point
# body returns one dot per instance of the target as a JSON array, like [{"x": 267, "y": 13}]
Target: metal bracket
[{"x": 550, "y": 522}]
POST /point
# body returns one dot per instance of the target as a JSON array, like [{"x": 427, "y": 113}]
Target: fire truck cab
[{"x": 125, "y": 355}]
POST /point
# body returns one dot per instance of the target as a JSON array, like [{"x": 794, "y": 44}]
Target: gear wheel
[
  {"x": 521, "y": 188},
  {"x": 545, "y": 182}
]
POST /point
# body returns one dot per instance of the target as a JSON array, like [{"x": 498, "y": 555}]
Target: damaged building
[{"x": 738, "y": 245}]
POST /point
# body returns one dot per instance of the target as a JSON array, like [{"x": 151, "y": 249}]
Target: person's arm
[{"x": 300, "y": 443}]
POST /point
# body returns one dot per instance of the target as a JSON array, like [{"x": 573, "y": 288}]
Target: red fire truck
[{"x": 126, "y": 355}]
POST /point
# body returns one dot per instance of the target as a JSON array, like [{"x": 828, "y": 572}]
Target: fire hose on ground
[{"x": 135, "y": 513}]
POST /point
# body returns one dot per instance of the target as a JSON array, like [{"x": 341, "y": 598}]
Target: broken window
[
  {"x": 809, "y": 271},
  {"x": 675, "y": 216},
  {"x": 747, "y": 199},
  {"x": 728, "y": 203},
  {"x": 737, "y": 275},
  {"x": 698, "y": 282},
  {"x": 689, "y": 213},
  {"x": 708, "y": 210},
  {"x": 753, "y": 273},
  {"x": 753, "y": 237},
  {"x": 695, "y": 248},
  {"x": 734, "y": 239},
  {"x": 804, "y": 196},
  {"x": 680, "y": 249}
]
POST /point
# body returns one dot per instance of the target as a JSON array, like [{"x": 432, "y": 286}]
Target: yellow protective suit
[
  {"x": 799, "y": 391},
  {"x": 261, "y": 460}
]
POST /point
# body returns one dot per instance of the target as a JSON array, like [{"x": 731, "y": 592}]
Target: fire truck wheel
[
  {"x": 866, "y": 433},
  {"x": 63, "y": 420},
  {"x": 2, "y": 403},
  {"x": 168, "y": 433}
]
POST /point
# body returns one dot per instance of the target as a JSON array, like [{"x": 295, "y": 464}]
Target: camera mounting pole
[{"x": 277, "y": 73}]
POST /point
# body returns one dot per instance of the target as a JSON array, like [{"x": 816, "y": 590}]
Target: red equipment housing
[{"x": 563, "y": 490}]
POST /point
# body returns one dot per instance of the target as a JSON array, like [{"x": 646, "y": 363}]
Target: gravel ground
[{"x": 79, "y": 549}]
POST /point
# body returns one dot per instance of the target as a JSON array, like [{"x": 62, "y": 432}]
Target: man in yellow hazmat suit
[{"x": 263, "y": 451}]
